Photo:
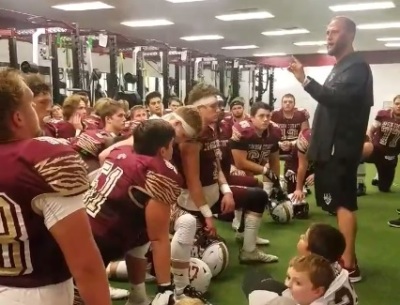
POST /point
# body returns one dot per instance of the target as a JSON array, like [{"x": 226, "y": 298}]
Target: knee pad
[
  {"x": 257, "y": 200},
  {"x": 185, "y": 229},
  {"x": 139, "y": 252}
]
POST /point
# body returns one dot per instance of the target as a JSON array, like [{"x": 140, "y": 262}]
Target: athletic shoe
[
  {"x": 118, "y": 294},
  {"x": 256, "y": 256},
  {"x": 394, "y": 223},
  {"x": 259, "y": 242},
  {"x": 398, "y": 211},
  {"x": 361, "y": 190},
  {"x": 375, "y": 182},
  {"x": 355, "y": 274}
]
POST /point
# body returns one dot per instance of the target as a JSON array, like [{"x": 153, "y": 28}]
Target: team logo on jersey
[{"x": 328, "y": 198}]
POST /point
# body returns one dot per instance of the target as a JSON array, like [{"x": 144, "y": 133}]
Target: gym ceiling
[{"x": 199, "y": 18}]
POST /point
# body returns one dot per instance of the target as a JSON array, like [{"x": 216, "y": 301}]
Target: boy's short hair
[
  {"x": 150, "y": 96},
  {"x": 151, "y": 135},
  {"x": 259, "y": 105},
  {"x": 192, "y": 117},
  {"x": 136, "y": 108},
  {"x": 37, "y": 84},
  {"x": 201, "y": 91},
  {"x": 319, "y": 269},
  {"x": 109, "y": 108},
  {"x": 71, "y": 105},
  {"x": 326, "y": 241}
]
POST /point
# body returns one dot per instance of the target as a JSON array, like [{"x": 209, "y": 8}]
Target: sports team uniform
[
  {"x": 42, "y": 181},
  {"x": 386, "y": 143},
  {"x": 258, "y": 147},
  {"x": 292, "y": 163},
  {"x": 290, "y": 127},
  {"x": 93, "y": 121},
  {"x": 60, "y": 129},
  {"x": 117, "y": 199}
]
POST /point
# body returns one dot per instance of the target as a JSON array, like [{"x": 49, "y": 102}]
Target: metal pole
[
  {"x": 12, "y": 49},
  {"x": 77, "y": 77},
  {"x": 235, "y": 79},
  {"x": 221, "y": 71},
  {"x": 139, "y": 73},
  {"x": 55, "y": 78},
  {"x": 272, "y": 98},
  {"x": 188, "y": 74},
  {"x": 165, "y": 74},
  {"x": 177, "y": 84},
  {"x": 112, "y": 86},
  {"x": 260, "y": 82}
]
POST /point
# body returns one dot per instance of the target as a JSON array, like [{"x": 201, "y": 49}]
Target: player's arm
[
  {"x": 348, "y": 87},
  {"x": 301, "y": 170},
  {"x": 374, "y": 128},
  {"x": 274, "y": 162},
  {"x": 104, "y": 154},
  {"x": 190, "y": 155}
]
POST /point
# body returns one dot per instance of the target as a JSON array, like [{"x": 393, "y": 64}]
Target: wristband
[
  {"x": 205, "y": 211},
  {"x": 265, "y": 169},
  {"x": 225, "y": 189},
  {"x": 294, "y": 142}
]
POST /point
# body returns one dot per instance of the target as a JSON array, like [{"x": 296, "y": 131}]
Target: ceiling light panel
[
  {"x": 202, "y": 37},
  {"x": 362, "y": 6},
  {"x": 379, "y": 26},
  {"x": 322, "y": 51},
  {"x": 269, "y": 54},
  {"x": 147, "y": 23},
  {"x": 83, "y": 6},
  {"x": 388, "y": 39},
  {"x": 283, "y": 32},
  {"x": 184, "y": 1},
  {"x": 245, "y": 16},
  {"x": 310, "y": 43},
  {"x": 392, "y": 44},
  {"x": 246, "y": 47}
]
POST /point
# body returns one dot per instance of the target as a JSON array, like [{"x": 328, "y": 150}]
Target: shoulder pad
[
  {"x": 382, "y": 114},
  {"x": 304, "y": 112},
  {"x": 242, "y": 130},
  {"x": 58, "y": 165}
]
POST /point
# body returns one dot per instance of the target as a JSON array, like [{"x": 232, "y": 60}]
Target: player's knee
[
  {"x": 257, "y": 200},
  {"x": 367, "y": 150},
  {"x": 139, "y": 252},
  {"x": 185, "y": 229}
]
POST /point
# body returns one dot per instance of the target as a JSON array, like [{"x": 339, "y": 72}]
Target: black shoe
[
  {"x": 394, "y": 223},
  {"x": 361, "y": 189},
  {"x": 191, "y": 292},
  {"x": 375, "y": 182},
  {"x": 398, "y": 211},
  {"x": 308, "y": 190}
]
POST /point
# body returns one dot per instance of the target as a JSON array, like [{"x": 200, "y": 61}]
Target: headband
[{"x": 186, "y": 127}]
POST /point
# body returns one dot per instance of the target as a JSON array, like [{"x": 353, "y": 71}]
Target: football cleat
[{"x": 256, "y": 256}]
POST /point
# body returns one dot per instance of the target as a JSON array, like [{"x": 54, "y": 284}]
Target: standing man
[{"x": 339, "y": 127}]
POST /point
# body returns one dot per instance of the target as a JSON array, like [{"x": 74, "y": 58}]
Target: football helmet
[
  {"x": 199, "y": 275},
  {"x": 216, "y": 256},
  {"x": 281, "y": 211},
  {"x": 300, "y": 209}
]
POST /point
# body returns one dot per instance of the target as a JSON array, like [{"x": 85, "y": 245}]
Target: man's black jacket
[{"x": 344, "y": 104}]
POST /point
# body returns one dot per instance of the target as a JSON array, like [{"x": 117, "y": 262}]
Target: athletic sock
[
  {"x": 181, "y": 279},
  {"x": 251, "y": 226},
  {"x": 138, "y": 293}
]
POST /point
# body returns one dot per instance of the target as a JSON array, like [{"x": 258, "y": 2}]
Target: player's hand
[
  {"x": 210, "y": 228},
  {"x": 290, "y": 176},
  {"x": 227, "y": 203},
  {"x": 286, "y": 146},
  {"x": 165, "y": 298},
  {"x": 310, "y": 180},
  {"x": 298, "y": 196},
  {"x": 296, "y": 67},
  {"x": 77, "y": 121}
]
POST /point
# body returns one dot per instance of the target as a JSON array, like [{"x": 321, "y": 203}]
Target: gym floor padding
[{"x": 378, "y": 250}]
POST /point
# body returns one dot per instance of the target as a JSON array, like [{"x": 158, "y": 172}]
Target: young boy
[{"x": 323, "y": 240}]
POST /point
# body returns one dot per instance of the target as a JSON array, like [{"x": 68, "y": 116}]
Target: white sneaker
[
  {"x": 118, "y": 294},
  {"x": 149, "y": 278},
  {"x": 145, "y": 302},
  {"x": 235, "y": 224},
  {"x": 260, "y": 241}
]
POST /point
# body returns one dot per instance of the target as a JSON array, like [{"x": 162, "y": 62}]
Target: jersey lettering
[
  {"x": 344, "y": 296},
  {"x": 193, "y": 272},
  {"x": 96, "y": 196},
  {"x": 244, "y": 124},
  {"x": 15, "y": 258}
]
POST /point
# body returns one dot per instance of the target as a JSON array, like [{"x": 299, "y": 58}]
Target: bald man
[{"x": 339, "y": 128}]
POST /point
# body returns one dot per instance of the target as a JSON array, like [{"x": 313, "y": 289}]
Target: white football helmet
[
  {"x": 199, "y": 275},
  {"x": 216, "y": 256},
  {"x": 300, "y": 208},
  {"x": 282, "y": 212}
]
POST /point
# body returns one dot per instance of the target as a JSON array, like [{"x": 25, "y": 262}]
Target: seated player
[
  {"x": 154, "y": 105},
  {"x": 92, "y": 142},
  {"x": 46, "y": 239},
  {"x": 237, "y": 113},
  {"x": 298, "y": 171},
  {"x": 206, "y": 192},
  {"x": 255, "y": 147},
  {"x": 291, "y": 121},
  {"x": 320, "y": 239},
  {"x": 129, "y": 205},
  {"x": 138, "y": 113},
  {"x": 385, "y": 135},
  {"x": 56, "y": 113},
  {"x": 173, "y": 103},
  {"x": 93, "y": 120}
]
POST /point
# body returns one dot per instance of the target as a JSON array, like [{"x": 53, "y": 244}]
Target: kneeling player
[{"x": 129, "y": 205}]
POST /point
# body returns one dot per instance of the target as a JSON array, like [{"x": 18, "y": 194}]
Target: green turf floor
[{"x": 378, "y": 250}]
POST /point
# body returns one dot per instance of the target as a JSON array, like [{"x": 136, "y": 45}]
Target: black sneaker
[
  {"x": 394, "y": 223},
  {"x": 361, "y": 189},
  {"x": 398, "y": 211},
  {"x": 375, "y": 182}
]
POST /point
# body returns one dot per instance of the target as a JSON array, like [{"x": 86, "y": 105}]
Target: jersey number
[
  {"x": 15, "y": 259},
  {"x": 344, "y": 297},
  {"x": 193, "y": 272},
  {"x": 97, "y": 196},
  {"x": 387, "y": 132}
]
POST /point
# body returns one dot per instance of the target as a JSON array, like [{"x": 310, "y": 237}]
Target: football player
[
  {"x": 93, "y": 121},
  {"x": 385, "y": 140},
  {"x": 46, "y": 236},
  {"x": 206, "y": 191},
  {"x": 129, "y": 205},
  {"x": 237, "y": 113},
  {"x": 291, "y": 121},
  {"x": 138, "y": 113},
  {"x": 154, "y": 105},
  {"x": 255, "y": 145}
]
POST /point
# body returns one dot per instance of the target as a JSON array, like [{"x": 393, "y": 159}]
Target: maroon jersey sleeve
[
  {"x": 276, "y": 135},
  {"x": 303, "y": 141},
  {"x": 242, "y": 132},
  {"x": 304, "y": 115},
  {"x": 276, "y": 116},
  {"x": 59, "y": 166},
  {"x": 65, "y": 130},
  {"x": 50, "y": 130},
  {"x": 91, "y": 142}
]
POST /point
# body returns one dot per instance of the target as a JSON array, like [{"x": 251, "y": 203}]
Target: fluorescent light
[
  {"x": 147, "y": 23},
  {"x": 202, "y": 37},
  {"x": 83, "y": 6},
  {"x": 388, "y": 39},
  {"x": 322, "y": 51},
  {"x": 379, "y": 26},
  {"x": 392, "y": 44},
  {"x": 183, "y": 1},
  {"x": 248, "y": 47},
  {"x": 245, "y": 16},
  {"x": 310, "y": 43},
  {"x": 269, "y": 54},
  {"x": 283, "y": 32},
  {"x": 362, "y": 6}
]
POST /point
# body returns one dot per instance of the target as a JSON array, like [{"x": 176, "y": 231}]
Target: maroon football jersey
[
  {"x": 93, "y": 122},
  {"x": 258, "y": 147},
  {"x": 231, "y": 120},
  {"x": 115, "y": 216},
  {"x": 209, "y": 154},
  {"x": 290, "y": 127},
  {"x": 129, "y": 127},
  {"x": 386, "y": 138},
  {"x": 302, "y": 145},
  {"x": 29, "y": 255},
  {"x": 49, "y": 130}
]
